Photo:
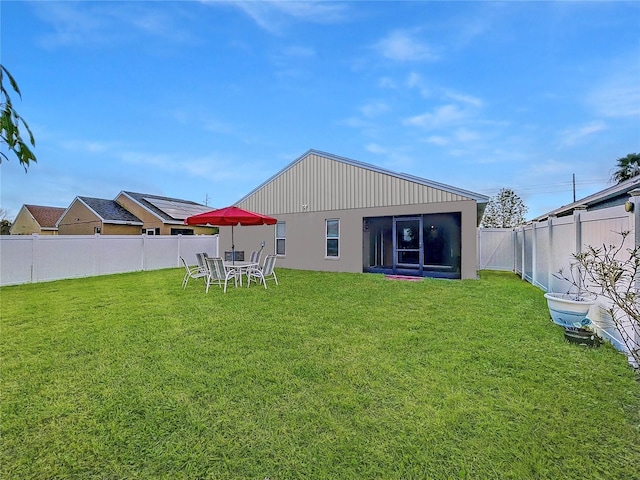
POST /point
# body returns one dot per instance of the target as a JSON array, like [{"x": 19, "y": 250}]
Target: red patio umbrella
[{"x": 230, "y": 216}]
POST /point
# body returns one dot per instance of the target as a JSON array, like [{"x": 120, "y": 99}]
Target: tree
[
  {"x": 5, "y": 223},
  {"x": 626, "y": 168},
  {"x": 505, "y": 210},
  {"x": 11, "y": 122}
]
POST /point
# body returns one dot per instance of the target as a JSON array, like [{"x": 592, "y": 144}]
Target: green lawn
[{"x": 336, "y": 376}]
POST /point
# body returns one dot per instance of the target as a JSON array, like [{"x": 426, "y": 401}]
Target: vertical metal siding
[{"x": 327, "y": 184}]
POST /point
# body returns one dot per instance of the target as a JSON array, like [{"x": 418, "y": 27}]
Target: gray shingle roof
[{"x": 110, "y": 210}]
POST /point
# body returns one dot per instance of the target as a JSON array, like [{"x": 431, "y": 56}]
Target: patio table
[{"x": 240, "y": 268}]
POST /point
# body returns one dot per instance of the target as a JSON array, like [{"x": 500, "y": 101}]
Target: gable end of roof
[{"x": 481, "y": 199}]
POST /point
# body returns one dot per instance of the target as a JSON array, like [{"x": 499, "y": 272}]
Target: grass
[{"x": 336, "y": 376}]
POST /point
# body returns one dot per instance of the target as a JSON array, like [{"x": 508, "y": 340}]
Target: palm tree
[{"x": 626, "y": 168}]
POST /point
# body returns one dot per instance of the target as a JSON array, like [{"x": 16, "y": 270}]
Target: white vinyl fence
[
  {"x": 40, "y": 258},
  {"x": 537, "y": 251}
]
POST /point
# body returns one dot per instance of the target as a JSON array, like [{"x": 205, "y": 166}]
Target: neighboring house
[
  {"x": 609, "y": 197},
  {"x": 88, "y": 216},
  {"x": 337, "y": 214},
  {"x": 36, "y": 219},
  {"x": 164, "y": 215}
]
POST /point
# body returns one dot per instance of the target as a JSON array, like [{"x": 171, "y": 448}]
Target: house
[
  {"x": 38, "y": 219},
  {"x": 163, "y": 215},
  {"x": 338, "y": 214},
  {"x": 609, "y": 197},
  {"x": 88, "y": 216}
]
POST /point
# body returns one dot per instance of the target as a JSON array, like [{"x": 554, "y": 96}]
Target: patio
[{"x": 326, "y": 376}]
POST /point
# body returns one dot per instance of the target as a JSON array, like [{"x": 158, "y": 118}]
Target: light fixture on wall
[{"x": 628, "y": 206}]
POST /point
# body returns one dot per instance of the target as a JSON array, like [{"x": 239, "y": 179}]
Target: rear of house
[
  {"x": 337, "y": 214},
  {"x": 89, "y": 216},
  {"x": 164, "y": 215},
  {"x": 39, "y": 219}
]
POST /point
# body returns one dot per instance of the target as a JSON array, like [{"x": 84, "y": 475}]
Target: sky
[{"x": 206, "y": 100}]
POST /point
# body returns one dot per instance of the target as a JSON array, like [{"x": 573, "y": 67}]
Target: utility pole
[
  {"x": 206, "y": 199},
  {"x": 574, "y": 188}
]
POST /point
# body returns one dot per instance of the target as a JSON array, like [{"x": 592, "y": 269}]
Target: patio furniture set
[{"x": 215, "y": 271}]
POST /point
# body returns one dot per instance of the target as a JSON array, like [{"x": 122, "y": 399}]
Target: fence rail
[{"x": 36, "y": 258}]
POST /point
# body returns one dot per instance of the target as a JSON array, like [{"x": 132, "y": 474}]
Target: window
[
  {"x": 179, "y": 231},
  {"x": 333, "y": 238},
  {"x": 150, "y": 231},
  {"x": 281, "y": 233}
]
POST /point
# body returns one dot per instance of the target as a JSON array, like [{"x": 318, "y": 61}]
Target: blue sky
[{"x": 205, "y": 100}]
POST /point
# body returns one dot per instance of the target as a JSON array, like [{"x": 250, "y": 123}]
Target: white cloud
[
  {"x": 376, "y": 149},
  {"x": 575, "y": 135},
  {"x": 462, "y": 98},
  {"x": 298, "y": 51},
  {"x": 87, "y": 146},
  {"x": 464, "y": 135},
  {"x": 439, "y": 140},
  {"x": 617, "y": 97},
  {"x": 443, "y": 116},
  {"x": 458, "y": 137},
  {"x": 211, "y": 167},
  {"x": 373, "y": 109},
  {"x": 402, "y": 46},
  {"x": 102, "y": 23},
  {"x": 273, "y": 15},
  {"x": 355, "y": 122},
  {"x": 387, "y": 82},
  {"x": 415, "y": 80}
]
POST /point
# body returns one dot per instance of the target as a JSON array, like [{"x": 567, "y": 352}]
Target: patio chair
[
  {"x": 267, "y": 272},
  {"x": 202, "y": 264},
  {"x": 218, "y": 274},
  {"x": 191, "y": 272},
  {"x": 255, "y": 256}
]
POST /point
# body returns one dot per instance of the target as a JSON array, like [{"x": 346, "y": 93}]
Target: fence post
[
  {"x": 578, "y": 226},
  {"x": 522, "y": 254},
  {"x": 634, "y": 200},
  {"x": 534, "y": 254},
  {"x": 550, "y": 256},
  {"x": 634, "y": 223},
  {"x": 179, "y": 249},
  {"x": 34, "y": 272}
]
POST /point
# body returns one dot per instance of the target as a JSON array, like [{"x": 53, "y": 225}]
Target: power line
[{"x": 547, "y": 188}]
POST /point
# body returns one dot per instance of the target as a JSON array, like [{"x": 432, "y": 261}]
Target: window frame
[
  {"x": 282, "y": 238},
  {"x": 331, "y": 237}
]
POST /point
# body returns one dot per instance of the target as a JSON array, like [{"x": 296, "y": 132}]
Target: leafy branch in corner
[{"x": 11, "y": 122}]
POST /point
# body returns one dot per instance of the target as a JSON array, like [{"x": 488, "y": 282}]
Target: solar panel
[{"x": 176, "y": 209}]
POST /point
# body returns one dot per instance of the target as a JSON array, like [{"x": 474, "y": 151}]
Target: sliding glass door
[
  {"x": 428, "y": 245},
  {"x": 408, "y": 243}
]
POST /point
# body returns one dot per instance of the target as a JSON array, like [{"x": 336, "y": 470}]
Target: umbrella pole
[{"x": 233, "y": 248}]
